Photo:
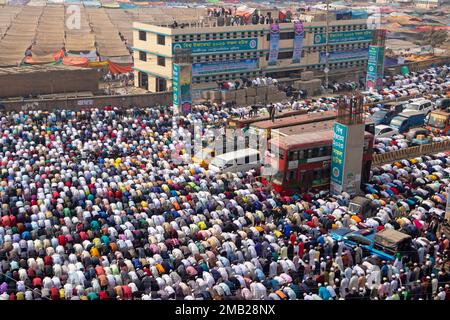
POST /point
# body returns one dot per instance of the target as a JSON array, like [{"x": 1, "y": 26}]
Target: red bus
[
  {"x": 304, "y": 161},
  {"x": 237, "y": 123}
]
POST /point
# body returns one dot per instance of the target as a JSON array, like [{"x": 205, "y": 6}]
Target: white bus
[{"x": 236, "y": 161}]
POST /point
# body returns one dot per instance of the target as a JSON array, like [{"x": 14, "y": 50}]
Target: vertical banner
[
  {"x": 375, "y": 67},
  {"x": 274, "y": 43},
  {"x": 338, "y": 157},
  {"x": 181, "y": 87},
  {"x": 298, "y": 41},
  {"x": 175, "y": 85},
  {"x": 185, "y": 88}
]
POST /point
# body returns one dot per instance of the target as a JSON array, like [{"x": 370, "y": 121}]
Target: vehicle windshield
[
  {"x": 412, "y": 106},
  {"x": 437, "y": 121},
  {"x": 354, "y": 208},
  {"x": 218, "y": 162},
  {"x": 379, "y": 114},
  {"x": 377, "y": 131},
  {"x": 397, "y": 122}
]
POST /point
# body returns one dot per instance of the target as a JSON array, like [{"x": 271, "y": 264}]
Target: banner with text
[
  {"x": 217, "y": 45},
  {"x": 344, "y": 55},
  {"x": 181, "y": 83},
  {"x": 210, "y": 67},
  {"x": 338, "y": 156},
  {"x": 344, "y": 36},
  {"x": 374, "y": 77},
  {"x": 298, "y": 41},
  {"x": 274, "y": 44}
]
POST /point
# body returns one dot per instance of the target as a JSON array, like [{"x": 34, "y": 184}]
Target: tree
[{"x": 435, "y": 38}]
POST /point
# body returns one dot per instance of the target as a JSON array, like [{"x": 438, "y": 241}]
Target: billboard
[
  {"x": 175, "y": 84},
  {"x": 298, "y": 41},
  {"x": 212, "y": 46},
  {"x": 210, "y": 67},
  {"x": 338, "y": 156},
  {"x": 274, "y": 44},
  {"x": 344, "y": 55},
  {"x": 375, "y": 65},
  {"x": 343, "y": 36},
  {"x": 181, "y": 86}
]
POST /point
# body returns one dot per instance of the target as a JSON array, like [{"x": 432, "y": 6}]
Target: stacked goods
[
  {"x": 215, "y": 96},
  {"x": 251, "y": 92},
  {"x": 251, "y": 100},
  {"x": 307, "y": 75},
  {"x": 228, "y": 96},
  {"x": 205, "y": 94},
  {"x": 241, "y": 97},
  {"x": 311, "y": 86}
]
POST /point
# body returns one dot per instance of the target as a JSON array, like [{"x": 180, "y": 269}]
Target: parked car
[
  {"x": 407, "y": 120},
  {"x": 383, "y": 116},
  {"x": 383, "y": 131},
  {"x": 421, "y": 105}
]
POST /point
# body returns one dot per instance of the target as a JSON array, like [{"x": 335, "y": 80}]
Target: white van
[
  {"x": 236, "y": 161},
  {"x": 422, "y": 105}
]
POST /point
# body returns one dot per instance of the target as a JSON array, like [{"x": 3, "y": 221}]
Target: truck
[
  {"x": 385, "y": 244},
  {"x": 407, "y": 120},
  {"x": 438, "y": 122},
  {"x": 418, "y": 136}
]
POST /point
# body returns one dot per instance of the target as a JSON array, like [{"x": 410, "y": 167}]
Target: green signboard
[
  {"x": 344, "y": 36},
  {"x": 175, "y": 84},
  {"x": 338, "y": 155},
  {"x": 374, "y": 77},
  {"x": 231, "y": 45}
]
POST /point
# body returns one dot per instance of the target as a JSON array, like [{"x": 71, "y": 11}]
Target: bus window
[
  {"x": 321, "y": 152},
  {"x": 315, "y": 152},
  {"x": 310, "y": 153},
  {"x": 293, "y": 155},
  {"x": 301, "y": 154},
  {"x": 291, "y": 175}
]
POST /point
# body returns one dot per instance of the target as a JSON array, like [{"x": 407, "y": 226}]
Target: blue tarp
[
  {"x": 92, "y": 3},
  {"x": 128, "y": 6},
  {"x": 359, "y": 14}
]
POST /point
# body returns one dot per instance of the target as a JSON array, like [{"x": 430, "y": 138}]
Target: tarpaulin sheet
[
  {"x": 75, "y": 61},
  {"x": 116, "y": 69}
]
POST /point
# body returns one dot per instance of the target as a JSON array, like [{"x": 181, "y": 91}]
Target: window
[
  {"x": 161, "y": 85},
  {"x": 142, "y": 35},
  {"x": 143, "y": 80},
  {"x": 161, "y": 61},
  {"x": 293, "y": 155},
  {"x": 281, "y": 154},
  {"x": 142, "y": 56},
  {"x": 161, "y": 40},
  {"x": 291, "y": 175},
  {"x": 285, "y": 55},
  {"x": 301, "y": 154}
]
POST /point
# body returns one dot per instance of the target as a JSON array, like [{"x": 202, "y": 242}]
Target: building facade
[{"x": 221, "y": 53}]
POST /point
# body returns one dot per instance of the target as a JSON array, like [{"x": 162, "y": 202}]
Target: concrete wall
[
  {"x": 48, "y": 82},
  {"x": 142, "y": 100}
]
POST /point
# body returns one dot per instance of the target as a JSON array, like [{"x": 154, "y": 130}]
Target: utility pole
[{"x": 326, "y": 70}]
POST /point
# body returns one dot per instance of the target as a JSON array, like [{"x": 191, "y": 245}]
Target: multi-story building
[{"x": 221, "y": 53}]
